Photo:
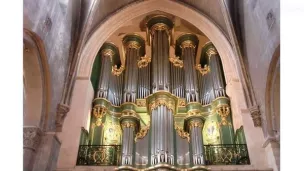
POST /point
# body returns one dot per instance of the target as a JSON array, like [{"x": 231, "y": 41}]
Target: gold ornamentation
[
  {"x": 128, "y": 124},
  {"x": 211, "y": 51},
  {"x": 187, "y": 44},
  {"x": 161, "y": 101},
  {"x": 108, "y": 53},
  {"x": 195, "y": 124},
  {"x": 143, "y": 62},
  {"x": 211, "y": 133},
  {"x": 182, "y": 102},
  {"x": 142, "y": 133},
  {"x": 224, "y": 112},
  {"x": 133, "y": 45},
  {"x": 204, "y": 70},
  {"x": 99, "y": 112},
  {"x": 194, "y": 112},
  {"x": 141, "y": 102},
  {"x": 176, "y": 61},
  {"x": 126, "y": 113},
  {"x": 182, "y": 133},
  {"x": 159, "y": 27},
  {"x": 112, "y": 134},
  {"x": 116, "y": 71}
]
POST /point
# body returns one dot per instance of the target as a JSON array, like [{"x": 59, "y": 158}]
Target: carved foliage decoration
[
  {"x": 182, "y": 133},
  {"x": 142, "y": 133},
  {"x": 117, "y": 71},
  {"x": 161, "y": 101},
  {"x": 31, "y": 137},
  {"x": 143, "y": 62},
  {"x": 204, "y": 70},
  {"x": 176, "y": 61}
]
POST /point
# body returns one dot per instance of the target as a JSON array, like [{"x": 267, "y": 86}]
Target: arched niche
[
  {"x": 273, "y": 97},
  {"x": 35, "y": 81}
]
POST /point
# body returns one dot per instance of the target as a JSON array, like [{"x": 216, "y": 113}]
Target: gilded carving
[
  {"x": 224, "y": 112},
  {"x": 129, "y": 113},
  {"x": 108, "y": 53},
  {"x": 116, "y": 71},
  {"x": 182, "y": 102},
  {"x": 195, "y": 124},
  {"x": 99, "y": 112},
  {"x": 112, "y": 134},
  {"x": 128, "y": 124},
  {"x": 194, "y": 112},
  {"x": 161, "y": 101},
  {"x": 133, "y": 45},
  {"x": 187, "y": 44},
  {"x": 141, "y": 102},
  {"x": 204, "y": 70},
  {"x": 176, "y": 61},
  {"x": 211, "y": 133},
  {"x": 143, "y": 62},
  {"x": 182, "y": 133},
  {"x": 142, "y": 133},
  {"x": 159, "y": 27},
  {"x": 31, "y": 137},
  {"x": 211, "y": 51}
]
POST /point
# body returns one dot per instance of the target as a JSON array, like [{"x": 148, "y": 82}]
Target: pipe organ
[{"x": 165, "y": 98}]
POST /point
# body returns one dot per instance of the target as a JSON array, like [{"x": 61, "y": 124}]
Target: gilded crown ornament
[{"x": 224, "y": 112}]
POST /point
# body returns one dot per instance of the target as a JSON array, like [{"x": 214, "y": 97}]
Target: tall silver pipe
[
  {"x": 105, "y": 73},
  {"x": 128, "y": 136},
  {"x": 196, "y": 137}
]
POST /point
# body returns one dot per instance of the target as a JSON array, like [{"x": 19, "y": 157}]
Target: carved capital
[
  {"x": 256, "y": 115},
  {"x": 62, "y": 111},
  {"x": 159, "y": 27},
  {"x": 31, "y": 137},
  {"x": 128, "y": 124}
]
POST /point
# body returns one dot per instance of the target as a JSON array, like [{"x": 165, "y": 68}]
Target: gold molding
[
  {"x": 201, "y": 70},
  {"x": 176, "y": 61},
  {"x": 128, "y": 124},
  {"x": 141, "y": 102},
  {"x": 143, "y": 62},
  {"x": 160, "y": 27},
  {"x": 142, "y": 133},
  {"x": 117, "y": 72},
  {"x": 195, "y": 124},
  {"x": 162, "y": 101},
  {"x": 132, "y": 45}
]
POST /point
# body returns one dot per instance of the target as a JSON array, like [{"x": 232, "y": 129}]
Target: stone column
[
  {"x": 31, "y": 140},
  {"x": 129, "y": 123},
  {"x": 134, "y": 49}
]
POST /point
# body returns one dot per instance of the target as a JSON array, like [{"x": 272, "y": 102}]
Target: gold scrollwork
[
  {"x": 195, "y": 124},
  {"x": 108, "y": 53},
  {"x": 204, "y": 70},
  {"x": 116, "y": 71},
  {"x": 182, "y": 133},
  {"x": 128, "y": 113},
  {"x": 133, "y": 45},
  {"x": 224, "y": 112},
  {"x": 142, "y": 133},
  {"x": 187, "y": 44},
  {"x": 161, "y": 101},
  {"x": 127, "y": 124},
  {"x": 143, "y": 62},
  {"x": 211, "y": 51},
  {"x": 194, "y": 112},
  {"x": 159, "y": 27},
  {"x": 176, "y": 61}
]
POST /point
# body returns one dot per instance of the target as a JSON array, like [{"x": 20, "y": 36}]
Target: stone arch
[
  {"x": 272, "y": 101},
  {"x": 36, "y": 80}
]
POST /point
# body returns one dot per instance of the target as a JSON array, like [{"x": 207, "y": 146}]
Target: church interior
[{"x": 151, "y": 85}]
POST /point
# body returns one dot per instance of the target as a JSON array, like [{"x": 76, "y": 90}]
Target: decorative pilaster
[
  {"x": 159, "y": 28},
  {"x": 161, "y": 107},
  {"x": 134, "y": 46},
  {"x": 256, "y": 116},
  {"x": 187, "y": 44}
]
